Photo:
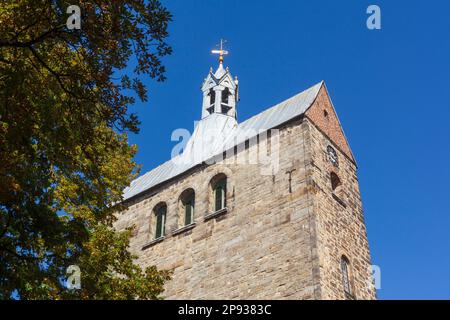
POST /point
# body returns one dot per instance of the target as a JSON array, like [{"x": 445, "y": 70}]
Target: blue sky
[{"x": 390, "y": 88}]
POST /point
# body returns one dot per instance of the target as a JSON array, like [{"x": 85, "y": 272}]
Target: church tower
[{"x": 230, "y": 229}]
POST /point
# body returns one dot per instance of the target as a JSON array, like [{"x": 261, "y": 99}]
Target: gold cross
[{"x": 220, "y": 52}]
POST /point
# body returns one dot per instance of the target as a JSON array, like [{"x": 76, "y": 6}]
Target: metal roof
[{"x": 216, "y": 134}]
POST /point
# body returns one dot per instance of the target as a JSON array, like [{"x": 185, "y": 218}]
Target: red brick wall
[{"x": 322, "y": 114}]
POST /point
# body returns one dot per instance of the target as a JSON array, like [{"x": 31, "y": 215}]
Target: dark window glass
[
  {"x": 189, "y": 211},
  {"x": 160, "y": 222},
  {"x": 225, "y": 95},
  {"x": 346, "y": 277},
  {"x": 220, "y": 194},
  {"x": 212, "y": 95}
]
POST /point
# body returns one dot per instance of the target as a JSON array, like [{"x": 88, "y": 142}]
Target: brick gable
[{"x": 323, "y": 115}]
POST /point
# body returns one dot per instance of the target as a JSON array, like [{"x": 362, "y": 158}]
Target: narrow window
[
  {"x": 225, "y": 100},
  {"x": 345, "y": 266},
  {"x": 335, "y": 182},
  {"x": 188, "y": 212},
  {"x": 160, "y": 217},
  {"x": 220, "y": 190},
  {"x": 188, "y": 204},
  {"x": 212, "y": 97},
  {"x": 337, "y": 190},
  {"x": 225, "y": 95}
]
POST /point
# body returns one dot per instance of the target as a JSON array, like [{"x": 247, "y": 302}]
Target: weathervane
[{"x": 220, "y": 52}]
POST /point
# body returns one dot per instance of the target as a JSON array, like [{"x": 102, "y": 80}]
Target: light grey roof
[{"x": 268, "y": 119}]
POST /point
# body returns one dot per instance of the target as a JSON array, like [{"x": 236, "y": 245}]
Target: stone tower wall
[
  {"x": 340, "y": 224},
  {"x": 262, "y": 248},
  {"x": 283, "y": 234},
  {"x": 339, "y": 218}
]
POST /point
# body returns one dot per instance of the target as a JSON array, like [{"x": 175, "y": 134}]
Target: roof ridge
[{"x": 319, "y": 84}]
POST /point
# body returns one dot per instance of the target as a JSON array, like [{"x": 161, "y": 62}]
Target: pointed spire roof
[{"x": 220, "y": 72}]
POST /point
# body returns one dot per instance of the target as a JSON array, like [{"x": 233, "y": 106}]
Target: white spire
[
  {"x": 218, "y": 123},
  {"x": 220, "y": 71},
  {"x": 220, "y": 91}
]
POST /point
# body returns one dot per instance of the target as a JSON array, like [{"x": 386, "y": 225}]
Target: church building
[{"x": 266, "y": 208}]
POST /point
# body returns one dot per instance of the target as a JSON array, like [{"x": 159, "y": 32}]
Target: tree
[{"x": 64, "y": 152}]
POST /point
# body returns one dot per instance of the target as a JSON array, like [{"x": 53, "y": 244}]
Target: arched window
[
  {"x": 335, "y": 182},
  {"x": 338, "y": 192},
  {"x": 160, "y": 212},
  {"x": 187, "y": 199},
  {"x": 219, "y": 188},
  {"x": 346, "y": 280}
]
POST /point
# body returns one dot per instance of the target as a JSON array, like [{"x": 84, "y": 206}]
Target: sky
[{"x": 390, "y": 88}]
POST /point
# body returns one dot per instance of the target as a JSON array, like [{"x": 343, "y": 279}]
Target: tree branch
[
  {"x": 54, "y": 73},
  {"x": 19, "y": 44}
]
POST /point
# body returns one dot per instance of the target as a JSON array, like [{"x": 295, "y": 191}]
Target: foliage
[{"x": 64, "y": 152}]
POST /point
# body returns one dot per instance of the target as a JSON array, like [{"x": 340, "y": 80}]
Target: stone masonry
[{"x": 282, "y": 236}]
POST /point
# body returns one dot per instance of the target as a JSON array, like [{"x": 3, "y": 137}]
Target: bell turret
[{"x": 220, "y": 90}]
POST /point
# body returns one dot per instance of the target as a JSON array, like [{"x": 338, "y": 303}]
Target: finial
[{"x": 220, "y": 52}]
